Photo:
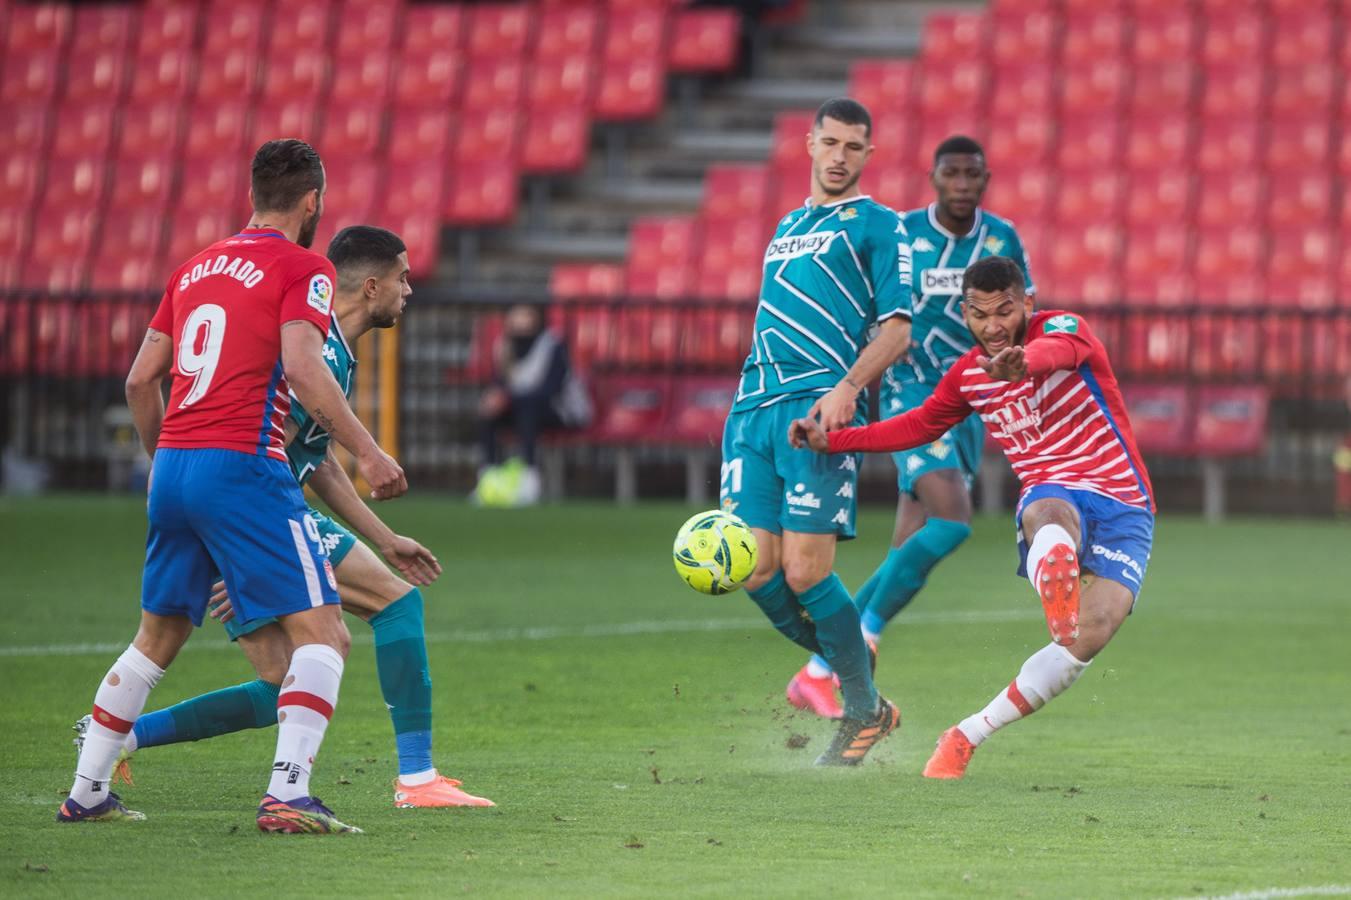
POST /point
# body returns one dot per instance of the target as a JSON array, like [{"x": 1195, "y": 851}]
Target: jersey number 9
[{"x": 205, "y": 328}]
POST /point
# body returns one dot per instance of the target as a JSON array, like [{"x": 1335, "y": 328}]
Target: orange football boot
[
  {"x": 951, "y": 756},
  {"x": 1058, "y": 584},
  {"x": 439, "y": 792}
]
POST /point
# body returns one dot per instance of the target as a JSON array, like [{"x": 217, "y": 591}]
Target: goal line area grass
[{"x": 636, "y": 739}]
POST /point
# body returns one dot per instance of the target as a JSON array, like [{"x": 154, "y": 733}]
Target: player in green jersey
[
  {"x": 837, "y": 268},
  {"x": 372, "y": 290},
  {"x": 933, "y": 514}
]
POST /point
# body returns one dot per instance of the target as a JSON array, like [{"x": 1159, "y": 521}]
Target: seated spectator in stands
[{"x": 534, "y": 390}]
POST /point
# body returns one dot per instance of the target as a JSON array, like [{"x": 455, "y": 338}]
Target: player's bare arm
[
  {"x": 152, "y": 365},
  {"x": 414, "y": 561},
  {"x": 836, "y": 409},
  {"x": 318, "y": 391}
]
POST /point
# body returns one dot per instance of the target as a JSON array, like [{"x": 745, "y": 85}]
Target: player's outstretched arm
[
  {"x": 945, "y": 408},
  {"x": 318, "y": 391},
  {"x": 414, "y": 561},
  {"x": 836, "y": 409},
  {"x": 152, "y": 365}
]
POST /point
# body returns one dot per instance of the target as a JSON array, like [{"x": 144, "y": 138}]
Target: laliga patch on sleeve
[
  {"x": 321, "y": 293},
  {"x": 1066, "y": 324}
]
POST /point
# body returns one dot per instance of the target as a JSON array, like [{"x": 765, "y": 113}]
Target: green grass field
[{"x": 635, "y": 736}]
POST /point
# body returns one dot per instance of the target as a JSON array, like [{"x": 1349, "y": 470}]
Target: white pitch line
[
  {"x": 1322, "y": 890},
  {"x": 555, "y": 632}
]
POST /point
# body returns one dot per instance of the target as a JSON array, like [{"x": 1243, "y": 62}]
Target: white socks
[
  {"x": 1048, "y": 672},
  {"x": 417, "y": 778},
  {"x": 1047, "y": 536},
  {"x": 120, "y": 698},
  {"x": 308, "y": 695}
]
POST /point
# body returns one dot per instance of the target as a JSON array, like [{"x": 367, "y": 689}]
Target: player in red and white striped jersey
[{"x": 1043, "y": 386}]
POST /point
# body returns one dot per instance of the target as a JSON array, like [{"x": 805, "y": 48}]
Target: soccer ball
[{"x": 714, "y": 552}]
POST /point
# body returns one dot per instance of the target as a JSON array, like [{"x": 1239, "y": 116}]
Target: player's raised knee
[{"x": 804, "y": 574}]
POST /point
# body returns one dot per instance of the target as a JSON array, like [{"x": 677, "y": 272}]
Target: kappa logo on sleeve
[
  {"x": 1065, "y": 324},
  {"x": 321, "y": 294}
]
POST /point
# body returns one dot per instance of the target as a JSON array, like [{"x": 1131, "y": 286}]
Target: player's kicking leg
[{"x": 1082, "y": 617}]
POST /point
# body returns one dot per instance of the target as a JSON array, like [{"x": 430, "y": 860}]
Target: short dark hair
[
  {"x": 992, "y": 275},
  {"x": 283, "y": 172},
  {"x": 358, "y": 250},
  {"x": 958, "y": 143},
  {"x": 842, "y": 109}
]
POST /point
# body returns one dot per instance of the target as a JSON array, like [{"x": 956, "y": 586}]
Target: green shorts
[
  {"x": 335, "y": 542},
  {"x": 960, "y": 448},
  {"x": 772, "y": 486}
]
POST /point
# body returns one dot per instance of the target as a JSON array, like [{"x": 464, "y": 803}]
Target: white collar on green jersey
[
  {"x": 838, "y": 202},
  {"x": 933, "y": 222},
  {"x": 337, "y": 329}
]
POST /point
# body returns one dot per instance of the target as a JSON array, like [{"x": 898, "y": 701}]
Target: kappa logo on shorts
[
  {"x": 321, "y": 294},
  {"x": 841, "y": 517},
  {"x": 848, "y": 465},
  {"x": 846, "y": 491}
]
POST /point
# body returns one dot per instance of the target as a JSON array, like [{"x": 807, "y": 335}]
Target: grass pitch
[{"x": 635, "y": 736}]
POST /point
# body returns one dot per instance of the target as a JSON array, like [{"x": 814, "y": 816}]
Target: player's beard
[
  {"x": 308, "y": 228},
  {"x": 843, "y": 189},
  {"x": 1019, "y": 335}
]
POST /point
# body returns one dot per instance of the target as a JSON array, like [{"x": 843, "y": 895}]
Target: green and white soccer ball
[{"x": 714, "y": 552}]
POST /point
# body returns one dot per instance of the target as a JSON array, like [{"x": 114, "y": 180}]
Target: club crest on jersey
[
  {"x": 944, "y": 282},
  {"x": 1065, "y": 324},
  {"x": 1020, "y": 421},
  {"x": 321, "y": 293},
  {"x": 850, "y": 213},
  {"x": 798, "y": 245},
  {"x": 994, "y": 245}
]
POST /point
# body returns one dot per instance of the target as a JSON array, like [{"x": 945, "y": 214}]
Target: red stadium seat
[
  {"x": 419, "y": 135},
  {"x": 82, "y": 131},
  {"x": 299, "y": 26},
  {"x": 1020, "y": 193},
  {"x": 431, "y": 29},
  {"x": 1024, "y": 88},
  {"x": 213, "y": 183},
  {"x": 27, "y": 130},
  {"x": 1160, "y": 143},
  {"x": 899, "y": 187},
  {"x": 495, "y": 134},
  {"x": 365, "y": 79},
  {"x": 1090, "y": 141},
  {"x": 1077, "y": 10},
  {"x": 660, "y": 252},
  {"x": 494, "y": 84},
  {"x": 19, "y": 179},
  {"x": 555, "y": 140},
  {"x": 1304, "y": 92},
  {"x": 704, "y": 40},
  {"x": 29, "y": 77},
  {"x": 699, "y": 406},
  {"x": 96, "y": 77},
  {"x": 1232, "y": 91},
  {"x": 15, "y": 234},
  {"x": 735, "y": 192},
  {"x": 632, "y": 408},
  {"x": 215, "y": 130},
  {"x": 789, "y": 146},
  {"x": 140, "y": 183},
  {"x": 1168, "y": 87},
  {"x": 1086, "y": 260},
  {"x": 421, "y": 233},
  {"x": 97, "y": 28},
  {"x": 431, "y": 81},
  {"x": 729, "y": 262},
  {"x": 581, "y": 281},
  {"x": 630, "y": 89},
  {"x": 1231, "y": 420},
  {"x": 1299, "y": 145},
  {"x": 62, "y": 234},
  {"x": 191, "y": 231},
  {"x": 1163, "y": 36},
  {"x": 353, "y": 129},
  {"x": 1224, "y": 199},
  {"x": 233, "y": 27},
  {"x": 483, "y": 193},
  {"x": 1155, "y": 197},
  {"x": 297, "y": 118},
  {"x": 936, "y": 128},
  {"x": 1024, "y": 138},
  {"x": 129, "y": 234},
  {"x": 294, "y": 74},
  {"x": 160, "y": 77},
  {"x": 1301, "y": 39},
  {"x": 1298, "y": 201},
  {"x": 1156, "y": 266},
  {"x": 952, "y": 37},
  {"x": 588, "y": 330},
  {"x": 1234, "y": 35},
  {"x": 38, "y": 26},
  {"x": 498, "y": 30},
  {"x": 415, "y": 188},
  {"x": 1227, "y": 266},
  {"x": 1226, "y": 145},
  {"x": 724, "y": 334},
  {"x": 226, "y": 76},
  {"x": 562, "y": 82},
  {"x": 1094, "y": 88},
  {"x": 957, "y": 87},
  {"x": 1093, "y": 37},
  {"x": 1022, "y": 36},
  {"x": 1301, "y": 268},
  {"x": 566, "y": 33},
  {"x": 166, "y": 28},
  {"x": 1161, "y": 417},
  {"x": 365, "y": 29},
  {"x": 635, "y": 34},
  {"x": 354, "y": 184}
]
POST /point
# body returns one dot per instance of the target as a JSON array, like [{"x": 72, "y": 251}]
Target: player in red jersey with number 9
[
  {"x": 240, "y": 323},
  {"x": 1043, "y": 386}
]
